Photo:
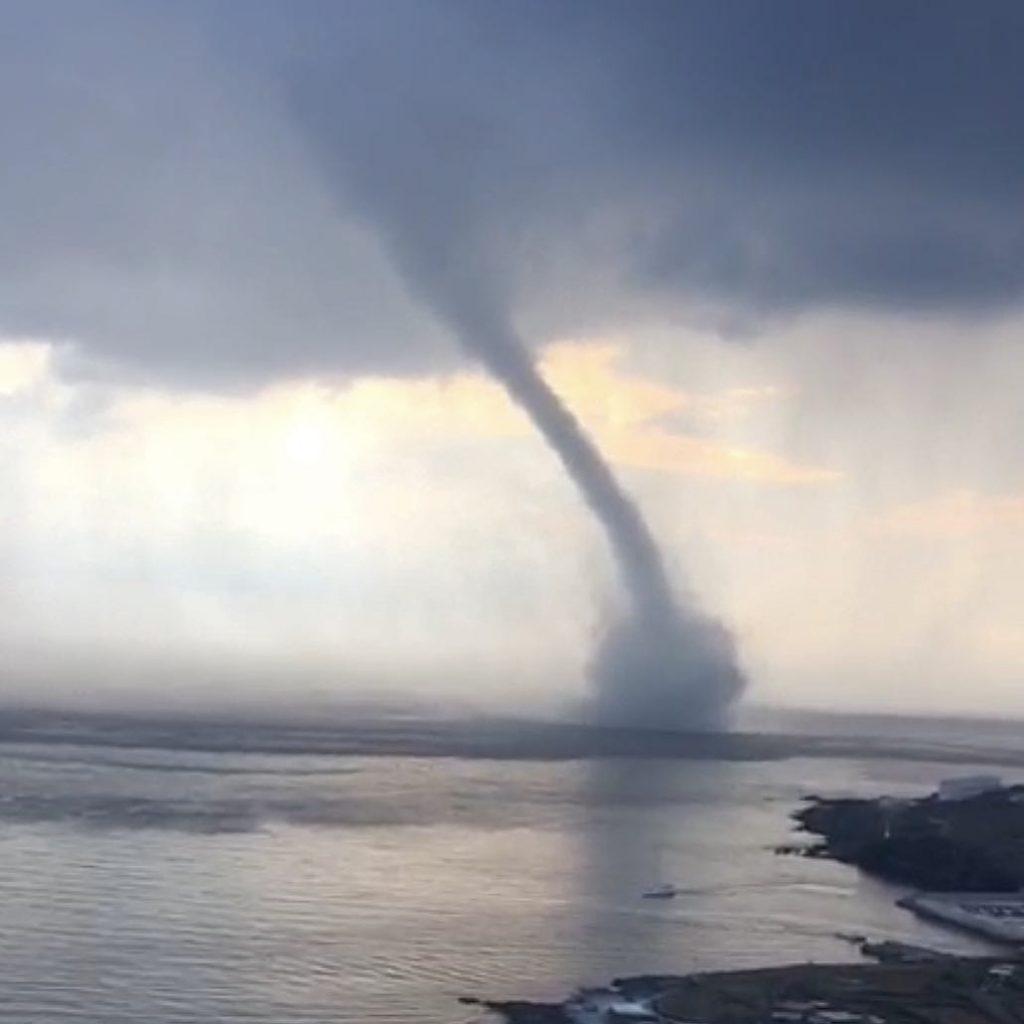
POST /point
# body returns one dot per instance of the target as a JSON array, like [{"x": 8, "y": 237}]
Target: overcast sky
[{"x": 772, "y": 255}]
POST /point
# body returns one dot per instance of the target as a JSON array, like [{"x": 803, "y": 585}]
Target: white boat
[{"x": 661, "y": 892}]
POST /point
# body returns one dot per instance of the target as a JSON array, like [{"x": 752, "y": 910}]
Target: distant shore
[{"x": 496, "y": 738}]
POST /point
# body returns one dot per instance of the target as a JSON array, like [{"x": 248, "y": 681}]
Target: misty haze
[{"x": 506, "y": 495}]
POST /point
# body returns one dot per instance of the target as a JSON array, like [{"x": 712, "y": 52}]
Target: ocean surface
[{"x": 141, "y": 881}]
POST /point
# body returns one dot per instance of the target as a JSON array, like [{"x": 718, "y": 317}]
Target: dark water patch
[
  {"x": 108, "y": 812},
  {"x": 93, "y": 757},
  {"x": 215, "y": 816}
]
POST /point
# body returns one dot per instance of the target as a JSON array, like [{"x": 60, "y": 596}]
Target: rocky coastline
[
  {"x": 975, "y": 844},
  {"x": 918, "y": 988}
]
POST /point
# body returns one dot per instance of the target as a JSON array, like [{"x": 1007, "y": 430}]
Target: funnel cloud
[
  {"x": 422, "y": 161},
  {"x": 665, "y": 663}
]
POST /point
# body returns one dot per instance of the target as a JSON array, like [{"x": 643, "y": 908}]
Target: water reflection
[{"x": 644, "y": 818}]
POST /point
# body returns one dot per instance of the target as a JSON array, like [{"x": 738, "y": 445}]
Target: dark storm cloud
[
  {"x": 156, "y": 207},
  {"x": 187, "y": 187},
  {"x": 796, "y": 153},
  {"x": 857, "y": 154}
]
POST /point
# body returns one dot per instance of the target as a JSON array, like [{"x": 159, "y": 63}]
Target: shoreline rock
[
  {"x": 907, "y": 986},
  {"x": 970, "y": 845}
]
